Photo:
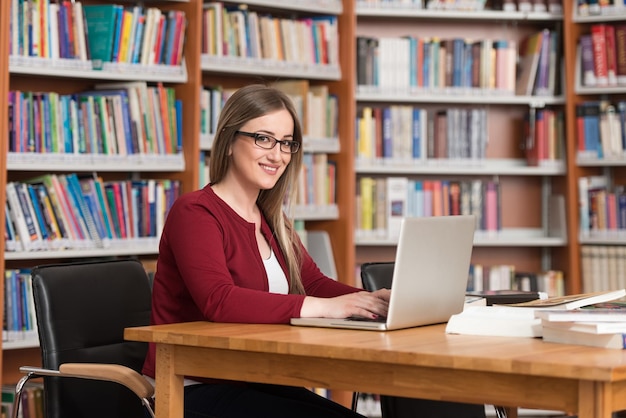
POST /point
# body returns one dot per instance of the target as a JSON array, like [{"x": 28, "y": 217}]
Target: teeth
[{"x": 269, "y": 168}]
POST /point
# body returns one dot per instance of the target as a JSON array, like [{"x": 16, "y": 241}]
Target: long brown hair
[{"x": 251, "y": 102}]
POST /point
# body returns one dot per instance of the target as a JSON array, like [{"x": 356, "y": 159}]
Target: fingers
[
  {"x": 373, "y": 304},
  {"x": 383, "y": 294}
]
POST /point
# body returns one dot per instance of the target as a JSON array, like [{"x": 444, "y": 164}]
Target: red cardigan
[{"x": 209, "y": 268}]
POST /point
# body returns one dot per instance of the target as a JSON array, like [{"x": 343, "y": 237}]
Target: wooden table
[{"x": 419, "y": 362}]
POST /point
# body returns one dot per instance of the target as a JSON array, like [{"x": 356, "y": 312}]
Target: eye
[{"x": 264, "y": 139}]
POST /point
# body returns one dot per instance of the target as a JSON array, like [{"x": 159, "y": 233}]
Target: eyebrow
[{"x": 273, "y": 134}]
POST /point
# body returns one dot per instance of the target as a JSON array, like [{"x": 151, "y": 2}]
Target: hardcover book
[
  {"x": 620, "y": 53},
  {"x": 600, "y": 64},
  {"x": 101, "y": 28},
  {"x": 529, "y": 52}
]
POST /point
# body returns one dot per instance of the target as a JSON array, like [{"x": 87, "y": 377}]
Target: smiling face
[{"x": 257, "y": 168}]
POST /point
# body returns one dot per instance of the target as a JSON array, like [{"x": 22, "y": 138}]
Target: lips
[{"x": 269, "y": 169}]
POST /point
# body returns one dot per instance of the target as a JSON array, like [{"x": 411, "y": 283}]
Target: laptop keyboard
[{"x": 363, "y": 319}]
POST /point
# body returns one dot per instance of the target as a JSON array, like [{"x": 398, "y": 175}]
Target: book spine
[{"x": 598, "y": 39}]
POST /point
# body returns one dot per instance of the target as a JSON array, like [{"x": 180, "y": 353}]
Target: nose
[{"x": 275, "y": 153}]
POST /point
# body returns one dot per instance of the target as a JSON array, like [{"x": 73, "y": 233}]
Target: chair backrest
[
  {"x": 82, "y": 310},
  {"x": 376, "y": 276}
]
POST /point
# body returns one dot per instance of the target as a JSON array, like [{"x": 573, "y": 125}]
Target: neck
[{"x": 241, "y": 201}]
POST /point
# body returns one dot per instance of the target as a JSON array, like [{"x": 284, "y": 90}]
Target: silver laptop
[{"x": 429, "y": 277}]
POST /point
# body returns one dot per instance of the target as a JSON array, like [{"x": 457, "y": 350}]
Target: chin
[{"x": 267, "y": 185}]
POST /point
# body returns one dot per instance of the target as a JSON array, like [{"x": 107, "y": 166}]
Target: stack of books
[
  {"x": 521, "y": 319},
  {"x": 597, "y": 325}
]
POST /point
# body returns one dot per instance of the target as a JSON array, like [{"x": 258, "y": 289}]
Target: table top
[{"x": 427, "y": 346}]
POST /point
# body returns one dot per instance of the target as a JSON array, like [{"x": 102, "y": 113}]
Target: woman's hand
[{"x": 364, "y": 304}]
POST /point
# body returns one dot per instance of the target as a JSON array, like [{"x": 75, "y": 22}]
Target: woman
[{"x": 229, "y": 254}]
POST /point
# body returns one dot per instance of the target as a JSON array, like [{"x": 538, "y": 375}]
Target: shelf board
[
  {"x": 508, "y": 237},
  {"x": 599, "y": 162},
  {"x": 141, "y": 246},
  {"x": 264, "y": 67},
  {"x": 316, "y": 212},
  {"x": 329, "y": 7},
  {"x": 614, "y": 15},
  {"x": 206, "y": 142},
  {"x": 68, "y": 68},
  {"x": 20, "y": 344},
  {"x": 599, "y": 90},
  {"x": 603, "y": 238},
  {"x": 453, "y": 95},
  {"x": 489, "y": 166},
  {"x": 404, "y": 12},
  {"x": 94, "y": 162}
]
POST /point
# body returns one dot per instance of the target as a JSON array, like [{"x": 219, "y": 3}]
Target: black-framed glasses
[{"x": 268, "y": 142}]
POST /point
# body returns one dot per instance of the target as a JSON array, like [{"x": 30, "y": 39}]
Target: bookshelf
[
  {"x": 199, "y": 70},
  {"x": 532, "y": 233},
  {"x": 4, "y": 92},
  {"x": 584, "y": 164},
  {"x": 67, "y": 76},
  {"x": 527, "y": 238}
]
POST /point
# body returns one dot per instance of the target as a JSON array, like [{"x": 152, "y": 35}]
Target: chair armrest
[{"x": 110, "y": 372}]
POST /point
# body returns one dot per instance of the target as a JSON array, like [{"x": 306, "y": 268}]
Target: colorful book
[{"x": 101, "y": 31}]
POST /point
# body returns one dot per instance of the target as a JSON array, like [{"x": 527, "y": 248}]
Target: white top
[{"x": 275, "y": 275}]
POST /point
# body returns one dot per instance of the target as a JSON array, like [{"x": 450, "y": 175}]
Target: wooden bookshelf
[
  {"x": 523, "y": 245},
  {"x": 336, "y": 220},
  {"x": 576, "y": 25},
  {"x": 15, "y": 75},
  {"x": 4, "y": 93},
  {"x": 527, "y": 238}
]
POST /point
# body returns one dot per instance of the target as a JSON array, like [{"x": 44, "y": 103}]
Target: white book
[
  {"x": 26, "y": 238},
  {"x": 53, "y": 20},
  {"x": 397, "y": 200},
  {"x": 159, "y": 196},
  {"x": 79, "y": 26},
  {"x": 584, "y": 185},
  {"x": 616, "y": 340},
  {"x": 494, "y": 320},
  {"x": 15, "y": 29},
  {"x": 255, "y": 38},
  {"x": 590, "y": 319},
  {"x": 25, "y": 195},
  {"x": 13, "y": 242}
]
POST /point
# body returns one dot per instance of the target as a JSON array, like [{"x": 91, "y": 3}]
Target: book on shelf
[
  {"x": 542, "y": 78},
  {"x": 620, "y": 53},
  {"x": 101, "y": 31},
  {"x": 529, "y": 53},
  {"x": 586, "y": 61},
  {"x": 600, "y": 63}
]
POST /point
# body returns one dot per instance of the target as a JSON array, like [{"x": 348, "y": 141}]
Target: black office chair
[
  {"x": 89, "y": 370},
  {"x": 380, "y": 275}
]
